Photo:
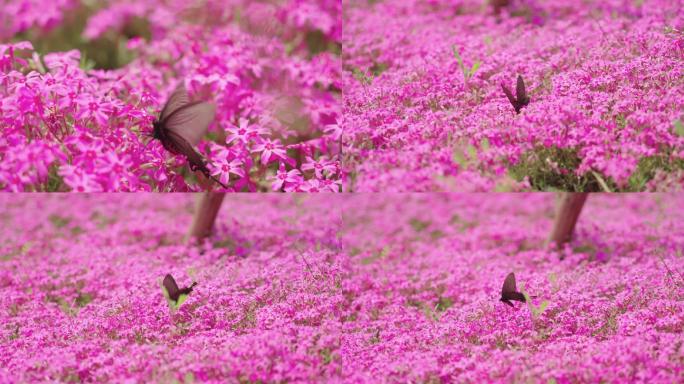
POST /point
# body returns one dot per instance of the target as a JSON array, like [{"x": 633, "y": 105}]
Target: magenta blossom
[
  {"x": 424, "y": 108},
  {"x": 321, "y": 167},
  {"x": 95, "y": 111},
  {"x": 354, "y": 288},
  {"x": 245, "y": 132},
  {"x": 286, "y": 180},
  {"x": 225, "y": 164},
  {"x": 79, "y": 180},
  {"x": 270, "y": 151}
]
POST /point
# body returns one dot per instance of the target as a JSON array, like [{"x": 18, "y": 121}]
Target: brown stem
[
  {"x": 206, "y": 210},
  {"x": 566, "y": 217}
]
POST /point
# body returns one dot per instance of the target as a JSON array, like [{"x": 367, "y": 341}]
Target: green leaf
[
  {"x": 460, "y": 62},
  {"x": 443, "y": 304},
  {"x": 458, "y": 57},
  {"x": 542, "y": 307},
  {"x": 26, "y": 247},
  {"x": 38, "y": 64},
  {"x": 59, "y": 221},
  {"x": 472, "y": 151},
  {"x": 181, "y": 300},
  {"x": 521, "y": 289},
  {"x": 418, "y": 225},
  {"x": 459, "y": 158},
  {"x": 83, "y": 299},
  {"x": 484, "y": 144},
  {"x": 86, "y": 64},
  {"x": 475, "y": 67},
  {"x": 189, "y": 378},
  {"x": 528, "y": 301},
  {"x": 164, "y": 291},
  {"x": 679, "y": 128},
  {"x": 602, "y": 182},
  {"x": 552, "y": 278}
]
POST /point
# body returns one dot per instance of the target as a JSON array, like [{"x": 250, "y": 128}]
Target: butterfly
[
  {"x": 521, "y": 99},
  {"x": 509, "y": 292},
  {"x": 175, "y": 295},
  {"x": 181, "y": 125},
  {"x": 499, "y": 4}
]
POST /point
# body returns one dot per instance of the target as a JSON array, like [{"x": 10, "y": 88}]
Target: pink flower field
[
  {"x": 82, "y": 81},
  {"x": 424, "y": 108},
  {"x": 354, "y": 289}
]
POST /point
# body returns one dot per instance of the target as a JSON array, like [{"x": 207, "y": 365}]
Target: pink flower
[
  {"x": 334, "y": 130},
  {"x": 222, "y": 167},
  {"x": 244, "y": 133},
  {"x": 117, "y": 168},
  {"x": 286, "y": 180},
  {"x": 91, "y": 108},
  {"x": 313, "y": 186},
  {"x": 270, "y": 151},
  {"x": 320, "y": 167},
  {"x": 78, "y": 180},
  {"x": 97, "y": 122}
]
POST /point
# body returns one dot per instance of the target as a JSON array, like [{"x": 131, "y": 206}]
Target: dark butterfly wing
[
  {"x": 190, "y": 121},
  {"x": 521, "y": 92},
  {"x": 179, "y": 97},
  {"x": 182, "y": 124},
  {"x": 510, "y": 96},
  {"x": 171, "y": 287},
  {"x": 515, "y": 296},
  {"x": 509, "y": 285},
  {"x": 507, "y": 303},
  {"x": 187, "y": 290},
  {"x": 177, "y": 144}
]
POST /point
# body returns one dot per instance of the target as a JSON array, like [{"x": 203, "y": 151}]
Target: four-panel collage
[{"x": 341, "y": 191}]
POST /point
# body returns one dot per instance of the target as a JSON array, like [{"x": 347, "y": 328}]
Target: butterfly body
[
  {"x": 177, "y": 145},
  {"x": 521, "y": 99},
  {"x": 172, "y": 288},
  {"x": 181, "y": 125},
  {"x": 509, "y": 291}
]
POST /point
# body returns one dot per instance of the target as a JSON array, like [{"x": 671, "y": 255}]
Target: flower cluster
[
  {"x": 272, "y": 69},
  {"x": 81, "y": 297},
  {"x": 340, "y": 288},
  {"x": 424, "y": 107},
  {"x": 41, "y": 16},
  {"x": 428, "y": 271}
]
